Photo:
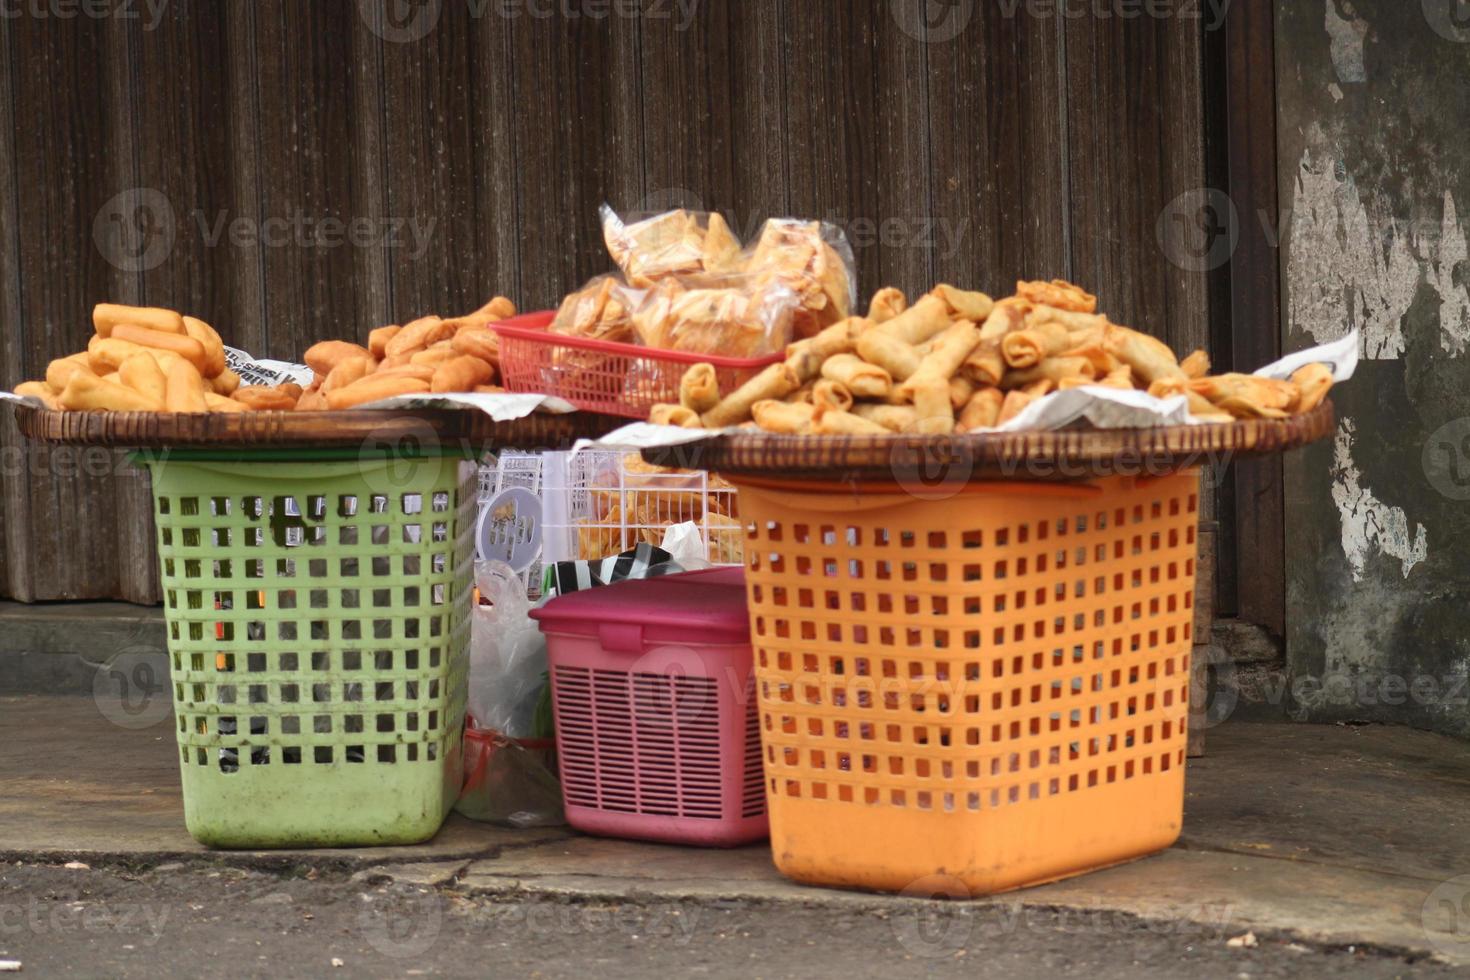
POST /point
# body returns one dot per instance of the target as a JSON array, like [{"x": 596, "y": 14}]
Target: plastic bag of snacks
[{"x": 686, "y": 283}]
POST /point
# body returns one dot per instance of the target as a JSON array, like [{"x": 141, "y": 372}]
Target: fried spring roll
[
  {"x": 864, "y": 380},
  {"x": 830, "y": 395},
  {"x": 1083, "y": 323},
  {"x": 1053, "y": 369},
  {"x": 699, "y": 389},
  {"x": 775, "y": 382},
  {"x": 964, "y": 304},
  {"x": 1006, "y": 318},
  {"x": 1196, "y": 365},
  {"x": 986, "y": 365},
  {"x": 894, "y": 418},
  {"x": 982, "y": 410},
  {"x": 961, "y": 389},
  {"x": 802, "y": 394},
  {"x": 1058, "y": 293},
  {"x": 1030, "y": 346},
  {"x": 806, "y": 357},
  {"x": 894, "y": 356},
  {"x": 1017, "y": 400},
  {"x": 943, "y": 361},
  {"x": 919, "y": 322},
  {"x": 846, "y": 423},
  {"x": 887, "y": 303},
  {"x": 1150, "y": 358},
  {"x": 1313, "y": 381},
  {"x": 932, "y": 405},
  {"x": 679, "y": 415},
  {"x": 1267, "y": 393},
  {"x": 789, "y": 418}
]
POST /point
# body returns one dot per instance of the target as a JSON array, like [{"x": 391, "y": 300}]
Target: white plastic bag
[{"x": 507, "y": 655}]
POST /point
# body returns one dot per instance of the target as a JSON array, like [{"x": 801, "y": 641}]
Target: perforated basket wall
[
  {"x": 975, "y": 693},
  {"x": 656, "y": 754},
  {"x": 318, "y": 624}
]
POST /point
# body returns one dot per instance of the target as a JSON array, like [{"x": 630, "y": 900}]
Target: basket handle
[{"x": 841, "y": 497}]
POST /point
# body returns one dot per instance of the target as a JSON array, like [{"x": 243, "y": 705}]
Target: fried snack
[
  {"x": 481, "y": 342},
  {"x": 142, "y": 374},
  {"x": 259, "y": 398},
  {"x": 186, "y": 347},
  {"x": 727, "y": 320},
  {"x": 225, "y": 383},
  {"x": 949, "y": 352},
  {"x": 107, "y": 316},
  {"x": 1199, "y": 405},
  {"x": 886, "y": 304},
  {"x": 1053, "y": 369},
  {"x": 185, "y": 388},
  {"x": 803, "y": 394},
  {"x": 666, "y": 244},
  {"x": 1103, "y": 363},
  {"x": 933, "y": 406},
  {"x": 864, "y": 380},
  {"x": 830, "y": 395},
  {"x": 85, "y": 392},
  {"x": 312, "y": 401},
  {"x": 1017, "y": 400},
  {"x": 806, "y": 357},
  {"x": 896, "y": 357},
  {"x": 1087, "y": 324},
  {"x": 463, "y": 373},
  {"x": 680, "y": 415},
  {"x": 1008, "y": 316},
  {"x": 422, "y": 372},
  {"x": 326, "y": 355},
  {"x": 1313, "y": 381},
  {"x": 961, "y": 389},
  {"x": 894, "y": 418},
  {"x": 1196, "y": 365},
  {"x": 982, "y": 411},
  {"x": 919, "y": 322},
  {"x": 499, "y": 308},
  {"x": 783, "y": 417},
  {"x": 347, "y": 371},
  {"x": 441, "y": 353},
  {"x": 220, "y": 403},
  {"x": 489, "y": 390},
  {"x": 793, "y": 254},
  {"x": 106, "y": 354},
  {"x": 418, "y": 335},
  {"x": 720, "y": 251},
  {"x": 986, "y": 364},
  {"x": 964, "y": 305},
  {"x": 291, "y": 388},
  {"x": 846, "y": 423},
  {"x": 1059, "y": 294},
  {"x": 1247, "y": 389},
  {"x": 601, "y": 310},
  {"x": 59, "y": 371},
  {"x": 699, "y": 389},
  {"x": 41, "y": 391},
  {"x": 774, "y": 382},
  {"x": 378, "y": 340},
  {"x": 1150, "y": 359},
  {"x": 371, "y": 389},
  {"x": 1030, "y": 346},
  {"x": 214, "y": 347}
]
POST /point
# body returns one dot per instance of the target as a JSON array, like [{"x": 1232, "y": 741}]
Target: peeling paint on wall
[
  {"x": 1369, "y": 525},
  {"x": 1344, "y": 271},
  {"x": 1448, "y": 278},
  {"x": 1347, "y": 34}
]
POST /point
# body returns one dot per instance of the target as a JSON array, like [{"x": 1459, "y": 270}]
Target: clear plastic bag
[
  {"x": 674, "y": 243},
  {"x": 507, "y": 655}
]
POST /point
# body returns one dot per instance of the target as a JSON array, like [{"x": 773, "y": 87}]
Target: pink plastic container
[{"x": 657, "y": 732}]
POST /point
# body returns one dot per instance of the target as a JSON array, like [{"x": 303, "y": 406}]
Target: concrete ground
[{"x": 1306, "y": 851}]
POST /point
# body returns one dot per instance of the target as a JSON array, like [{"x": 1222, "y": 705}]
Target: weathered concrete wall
[{"x": 1374, "y": 149}]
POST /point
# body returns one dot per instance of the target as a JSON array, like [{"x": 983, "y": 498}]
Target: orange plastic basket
[{"x": 971, "y": 694}]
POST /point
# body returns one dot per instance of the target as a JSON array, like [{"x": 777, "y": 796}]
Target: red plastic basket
[{"x": 602, "y": 376}]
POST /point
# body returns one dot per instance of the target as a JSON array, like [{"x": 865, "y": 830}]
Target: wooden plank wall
[{"x": 475, "y": 141}]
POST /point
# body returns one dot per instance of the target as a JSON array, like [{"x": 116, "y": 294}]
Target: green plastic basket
[{"x": 318, "y": 620}]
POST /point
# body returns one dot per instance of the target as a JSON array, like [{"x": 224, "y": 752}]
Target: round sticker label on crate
[{"x": 510, "y": 528}]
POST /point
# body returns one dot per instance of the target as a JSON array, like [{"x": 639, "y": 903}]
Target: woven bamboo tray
[
  {"x": 1069, "y": 455},
  {"x": 303, "y": 430}
]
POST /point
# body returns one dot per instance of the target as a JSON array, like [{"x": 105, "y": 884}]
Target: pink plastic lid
[{"x": 692, "y": 607}]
